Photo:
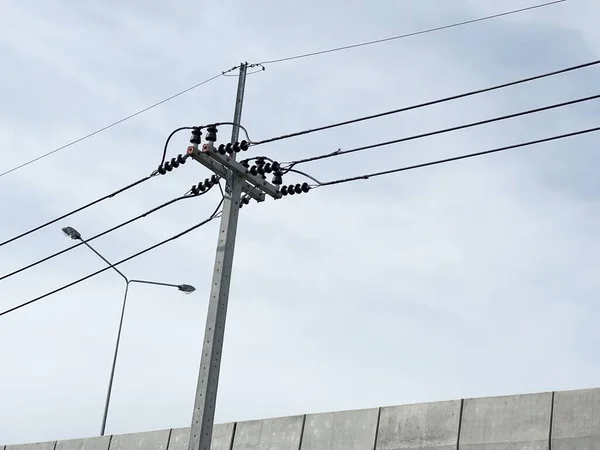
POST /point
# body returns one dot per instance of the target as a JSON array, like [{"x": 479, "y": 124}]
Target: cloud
[{"x": 467, "y": 279}]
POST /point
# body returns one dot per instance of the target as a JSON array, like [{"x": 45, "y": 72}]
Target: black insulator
[
  {"x": 260, "y": 161},
  {"x": 268, "y": 168},
  {"x": 277, "y": 180},
  {"x": 201, "y": 187},
  {"x": 276, "y": 166},
  {"x": 254, "y": 170},
  {"x": 207, "y": 182},
  {"x": 174, "y": 163},
  {"x": 196, "y": 133},
  {"x": 211, "y": 134},
  {"x": 246, "y": 200},
  {"x": 236, "y": 147},
  {"x": 161, "y": 169},
  {"x": 284, "y": 190},
  {"x": 222, "y": 149},
  {"x": 261, "y": 170},
  {"x": 168, "y": 166},
  {"x": 181, "y": 158},
  {"x": 229, "y": 148},
  {"x": 244, "y": 145},
  {"x": 245, "y": 163},
  {"x": 194, "y": 190},
  {"x": 305, "y": 187},
  {"x": 214, "y": 179},
  {"x": 298, "y": 189},
  {"x": 291, "y": 189}
]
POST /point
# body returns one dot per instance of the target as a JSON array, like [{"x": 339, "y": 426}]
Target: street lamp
[{"x": 185, "y": 288}]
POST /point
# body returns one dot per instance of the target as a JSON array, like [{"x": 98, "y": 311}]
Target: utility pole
[{"x": 238, "y": 178}]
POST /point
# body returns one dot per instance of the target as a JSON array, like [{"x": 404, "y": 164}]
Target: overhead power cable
[
  {"x": 114, "y": 124},
  {"x": 456, "y": 158},
  {"x": 415, "y": 33},
  {"x": 110, "y": 230},
  {"x": 273, "y": 61},
  {"x": 162, "y": 169},
  {"x": 442, "y": 131},
  {"x": 64, "y": 216},
  {"x": 429, "y": 103},
  {"x": 196, "y": 129},
  {"x": 213, "y": 216}
]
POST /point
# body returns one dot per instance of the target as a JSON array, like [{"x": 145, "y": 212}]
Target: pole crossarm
[{"x": 211, "y": 163}]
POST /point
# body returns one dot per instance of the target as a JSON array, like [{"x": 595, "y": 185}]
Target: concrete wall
[{"x": 550, "y": 421}]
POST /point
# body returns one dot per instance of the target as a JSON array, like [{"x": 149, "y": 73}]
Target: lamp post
[{"x": 185, "y": 288}]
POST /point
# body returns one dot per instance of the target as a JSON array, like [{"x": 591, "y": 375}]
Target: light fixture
[
  {"x": 72, "y": 233},
  {"x": 186, "y": 288}
]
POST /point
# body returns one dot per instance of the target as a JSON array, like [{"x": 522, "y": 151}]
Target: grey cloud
[{"x": 468, "y": 279}]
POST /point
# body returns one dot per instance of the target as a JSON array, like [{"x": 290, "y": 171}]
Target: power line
[
  {"x": 196, "y": 129},
  {"x": 113, "y": 124},
  {"x": 163, "y": 168},
  {"x": 173, "y": 133},
  {"x": 362, "y": 44},
  {"x": 110, "y": 230},
  {"x": 429, "y": 103},
  {"x": 213, "y": 216},
  {"x": 457, "y": 158},
  {"x": 416, "y": 33},
  {"x": 442, "y": 131},
  {"x": 305, "y": 55},
  {"x": 64, "y": 216}
]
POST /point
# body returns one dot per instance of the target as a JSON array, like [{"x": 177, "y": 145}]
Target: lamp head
[
  {"x": 186, "y": 288},
  {"x": 72, "y": 233}
]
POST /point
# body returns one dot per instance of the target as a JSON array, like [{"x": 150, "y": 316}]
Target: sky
[{"x": 468, "y": 279}]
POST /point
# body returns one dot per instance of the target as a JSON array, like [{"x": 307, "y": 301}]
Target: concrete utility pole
[{"x": 238, "y": 180}]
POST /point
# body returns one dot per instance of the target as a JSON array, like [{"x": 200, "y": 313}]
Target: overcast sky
[{"x": 475, "y": 278}]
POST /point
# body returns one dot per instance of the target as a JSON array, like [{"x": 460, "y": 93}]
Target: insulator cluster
[
  {"x": 295, "y": 189},
  {"x": 211, "y": 136},
  {"x": 204, "y": 185},
  {"x": 167, "y": 166},
  {"x": 262, "y": 168},
  {"x": 231, "y": 148}
]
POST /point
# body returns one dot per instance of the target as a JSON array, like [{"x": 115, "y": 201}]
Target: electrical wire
[
  {"x": 101, "y": 199},
  {"x": 233, "y": 124},
  {"x": 457, "y": 158},
  {"x": 430, "y": 103},
  {"x": 213, "y": 216},
  {"x": 110, "y": 230},
  {"x": 442, "y": 131},
  {"x": 177, "y": 130},
  {"x": 113, "y": 124},
  {"x": 416, "y": 33},
  {"x": 274, "y": 61},
  {"x": 173, "y": 133},
  {"x": 164, "y": 155},
  {"x": 319, "y": 183},
  {"x": 64, "y": 216}
]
